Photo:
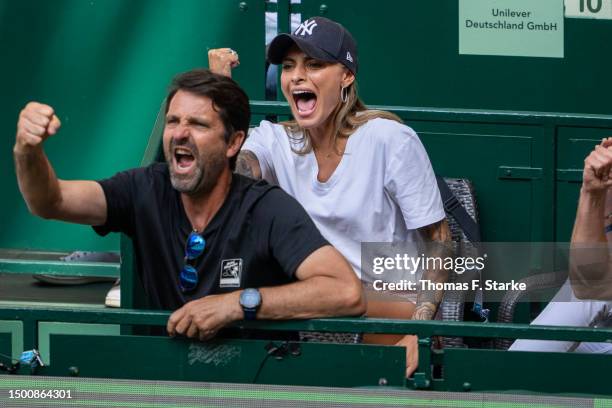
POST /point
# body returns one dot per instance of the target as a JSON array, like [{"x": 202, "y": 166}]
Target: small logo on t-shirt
[{"x": 231, "y": 269}]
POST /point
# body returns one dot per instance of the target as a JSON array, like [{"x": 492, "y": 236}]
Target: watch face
[{"x": 250, "y": 298}]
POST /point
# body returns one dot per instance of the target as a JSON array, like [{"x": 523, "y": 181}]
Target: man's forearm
[
  {"x": 323, "y": 289},
  {"x": 319, "y": 296},
  {"x": 590, "y": 216},
  {"x": 37, "y": 181},
  {"x": 589, "y": 252}
]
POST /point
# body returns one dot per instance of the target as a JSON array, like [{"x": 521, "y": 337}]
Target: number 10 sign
[{"x": 601, "y": 9}]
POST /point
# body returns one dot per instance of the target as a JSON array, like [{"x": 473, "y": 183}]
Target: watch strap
[{"x": 249, "y": 314}]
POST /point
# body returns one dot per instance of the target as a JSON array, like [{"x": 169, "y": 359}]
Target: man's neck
[{"x": 201, "y": 208}]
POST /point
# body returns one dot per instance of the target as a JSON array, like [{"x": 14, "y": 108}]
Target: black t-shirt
[{"x": 258, "y": 238}]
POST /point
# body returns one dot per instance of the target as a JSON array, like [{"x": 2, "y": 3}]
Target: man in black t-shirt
[{"x": 205, "y": 239}]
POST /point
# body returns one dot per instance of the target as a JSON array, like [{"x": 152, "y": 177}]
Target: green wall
[
  {"x": 104, "y": 66},
  {"x": 409, "y": 56}
]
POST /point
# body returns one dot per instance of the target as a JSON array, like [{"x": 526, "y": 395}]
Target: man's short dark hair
[{"x": 228, "y": 99}]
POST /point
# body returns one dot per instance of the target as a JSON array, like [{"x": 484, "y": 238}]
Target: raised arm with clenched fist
[{"x": 46, "y": 195}]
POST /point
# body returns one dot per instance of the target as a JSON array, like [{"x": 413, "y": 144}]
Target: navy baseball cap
[{"x": 319, "y": 38}]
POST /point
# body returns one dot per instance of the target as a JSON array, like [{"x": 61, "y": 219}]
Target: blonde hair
[{"x": 347, "y": 117}]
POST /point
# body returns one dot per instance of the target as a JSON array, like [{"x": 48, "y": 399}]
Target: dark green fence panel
[
  {"x": 533, "y": 371},
  {"x": 505, "y": 165},
  {"x": 409, "y": 55},
  {"x": 6, "y": 347},
  {"x": 242, "y": 361},
  {"x": 105, "y": 66},
  {"x": 510, "y": 169}
]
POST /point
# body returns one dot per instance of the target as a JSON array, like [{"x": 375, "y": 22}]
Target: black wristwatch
[{"x": 250, "y": 300}]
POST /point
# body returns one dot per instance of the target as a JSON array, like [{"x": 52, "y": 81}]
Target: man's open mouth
[
  {"x": 183, "y": 158},
  {"x": 305, "y": 101}
]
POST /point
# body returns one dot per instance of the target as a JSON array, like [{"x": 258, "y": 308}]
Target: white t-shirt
[
  {"x": 383, "y": 189},
  {"x": 565, "y": 309}
]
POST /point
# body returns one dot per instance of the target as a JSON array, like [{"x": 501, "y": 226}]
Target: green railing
[
  {"x": 32, "y": 314},
  {"x": 462, "y": 369}
]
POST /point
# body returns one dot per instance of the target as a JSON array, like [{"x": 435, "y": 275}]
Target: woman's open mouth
[{"x": 305, "y": 101}]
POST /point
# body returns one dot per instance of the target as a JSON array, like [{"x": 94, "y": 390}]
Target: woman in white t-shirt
[{"x": 361, "y": 174}]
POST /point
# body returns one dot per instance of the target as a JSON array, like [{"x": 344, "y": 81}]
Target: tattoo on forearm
[
  {"x": 248, "y": 165},
  {"x": 424, "y": 311},
  {"x": 428, "y": 300}
]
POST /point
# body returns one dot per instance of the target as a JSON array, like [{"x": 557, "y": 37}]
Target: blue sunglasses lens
[
  {"x": 195, "y": 246},
  {"x": 188, "y": 278}
]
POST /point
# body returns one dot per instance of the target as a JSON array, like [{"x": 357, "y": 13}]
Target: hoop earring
[{"x": 344, "y": 94}]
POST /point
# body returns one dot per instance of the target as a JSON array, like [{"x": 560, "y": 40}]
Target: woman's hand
[
  {"x": 222, "y": 60},
  {"x": 411, "y": 343}
]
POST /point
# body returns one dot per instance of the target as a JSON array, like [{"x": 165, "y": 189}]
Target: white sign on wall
[{"x": 520, "y": 28}]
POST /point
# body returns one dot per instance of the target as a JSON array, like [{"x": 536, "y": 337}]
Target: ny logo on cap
[
  {"x": 306, "y": 27},
  {"x": 349, "y": 57}
]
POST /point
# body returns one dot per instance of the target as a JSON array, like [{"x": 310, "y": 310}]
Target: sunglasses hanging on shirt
[{"x": 194, "y": 247}]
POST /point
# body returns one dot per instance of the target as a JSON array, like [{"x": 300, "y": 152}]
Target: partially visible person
[
  {"x": 585, "y": 300},
  {"x": 590, "y": 263},
  {"x": 214, "y": 246},
  {"x": 361, "y": 174},
  {"x": 565, "y": 309}
]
